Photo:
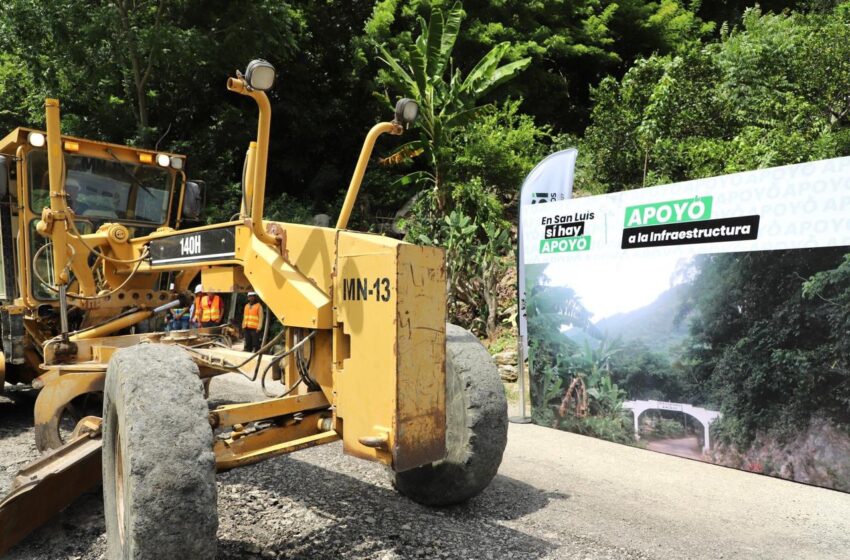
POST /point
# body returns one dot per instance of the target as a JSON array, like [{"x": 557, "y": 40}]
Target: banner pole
[{"x": 521, "y": 418}]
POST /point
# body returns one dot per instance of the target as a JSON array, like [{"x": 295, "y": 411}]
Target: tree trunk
[
  {"x": 491, "y": 297},
  {"x": 438, "y": 188},
  {"x": 136, "y": 59}
]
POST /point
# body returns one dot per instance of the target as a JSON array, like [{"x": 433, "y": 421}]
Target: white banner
[
  {"x": 804, "y": 205},
  {"x": 705, "y": 319},
  {"x": 551, "y": 180}
]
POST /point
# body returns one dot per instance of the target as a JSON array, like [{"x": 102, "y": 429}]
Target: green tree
[
  {"x": 769, "y": 93},
  {"x": 644, "y": 374},
  {"x": 593, "y": 364},
  {"x": 448, "y": 101},
  {"x": 572, "y": 44},
  {"x": 766, "y": 342},
  {"x": 500, "y": 148},
  {"x": 549, "y": 309},
  {"x": 83, "y": 54}
]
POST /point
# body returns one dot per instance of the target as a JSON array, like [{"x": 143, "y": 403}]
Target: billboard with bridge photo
[{"x": 708, "y": 319}]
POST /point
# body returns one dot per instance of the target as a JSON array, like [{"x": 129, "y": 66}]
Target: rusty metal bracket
[
  {"x": 233, "y": 414},
  {"x": 60, "y": 387},
  {"x": 279, "y": 234}
]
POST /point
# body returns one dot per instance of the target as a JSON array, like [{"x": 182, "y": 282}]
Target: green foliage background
[{"x": 650, "y": 91}]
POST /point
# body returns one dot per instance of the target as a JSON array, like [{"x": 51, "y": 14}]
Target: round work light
[
  {"x": 36, "y": 139},
  {"x": 406, "y": 111},
  {"x": 260, "y": 75}
]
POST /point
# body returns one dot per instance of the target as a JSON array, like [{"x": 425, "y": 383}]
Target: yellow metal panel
[
  {"x": 366, "y": 382},
  {"x": 11, "y": 141},
  {"x": 88, "y": 147},
  {"x": 351, "y": 244},
  {"x": 290, "y": 295},
  {"x": 311, "y": 250},
  {"x": 224, "y": 279},
  {"x": 420, "y": 429},
  {"x": 242, "y": 413},
  {"x": 390, "y": 368}
]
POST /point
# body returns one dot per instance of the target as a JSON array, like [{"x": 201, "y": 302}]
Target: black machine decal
[
  {"x": 364, "y": 289},
  {"x": 208, "y": 245}
]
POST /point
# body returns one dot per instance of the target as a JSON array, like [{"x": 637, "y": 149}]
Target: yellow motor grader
[{"x": 98, "y": 243}]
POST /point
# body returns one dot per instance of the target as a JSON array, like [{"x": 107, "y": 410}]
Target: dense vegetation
[
  {"x": 651, "y": 91},
  {"x": 765, "y": 341},
  {"x": 771, "y": 91},
  {"x": 770, "y": 342}
]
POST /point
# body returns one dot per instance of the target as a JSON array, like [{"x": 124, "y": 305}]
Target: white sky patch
[{"x": 609, "y": 286}]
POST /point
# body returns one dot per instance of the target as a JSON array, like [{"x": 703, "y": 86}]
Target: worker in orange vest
[
  {"x": 207, "y": 308},
  {"x": 252, "y": 323}
]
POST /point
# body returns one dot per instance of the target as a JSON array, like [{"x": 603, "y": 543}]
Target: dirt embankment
[{"x": 818, "y": 455}]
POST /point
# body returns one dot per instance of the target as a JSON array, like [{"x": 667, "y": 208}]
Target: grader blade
[{"x": 48, "y": 485}]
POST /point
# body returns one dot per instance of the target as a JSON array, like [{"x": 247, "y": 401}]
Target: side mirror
[
  {"x": 4, "y": 176},
  {"x": 194, "y": 200}
]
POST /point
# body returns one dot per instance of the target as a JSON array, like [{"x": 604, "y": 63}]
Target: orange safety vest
[
  {"x": 208, "y": 309},
  {"x": 253, "y": 316}
]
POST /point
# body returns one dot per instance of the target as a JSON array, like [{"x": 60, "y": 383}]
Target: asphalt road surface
[{"x": 557, "y": 495}]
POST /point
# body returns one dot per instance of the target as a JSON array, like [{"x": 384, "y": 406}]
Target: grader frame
[{"x": 371, "y": 310}]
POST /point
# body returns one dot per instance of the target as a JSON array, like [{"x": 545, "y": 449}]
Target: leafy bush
[
  {"x": 661, "y": 428},
  {"x": 609, "y": 427},
  {"x": 499, "y": 149},
  {"x": 769, "y": 93},
  {"x": 474, "y": 254}
]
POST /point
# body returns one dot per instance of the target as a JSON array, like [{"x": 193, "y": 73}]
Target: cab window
[{"x": 102, "y": 190}]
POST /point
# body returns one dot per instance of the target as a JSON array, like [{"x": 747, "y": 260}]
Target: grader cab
[{"x": 98, "y": 240}]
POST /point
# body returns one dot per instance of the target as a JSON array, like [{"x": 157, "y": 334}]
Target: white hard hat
[
  {"x": 199, "y": 289},
  {"x": 252, "y": 293}
]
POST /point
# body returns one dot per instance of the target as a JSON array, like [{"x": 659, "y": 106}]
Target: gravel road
[{"x": 558, "y": 495}]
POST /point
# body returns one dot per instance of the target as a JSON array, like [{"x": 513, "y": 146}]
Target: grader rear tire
[
  {"x": 476, "y": 428},
  {"x": 158, "y": 466}
]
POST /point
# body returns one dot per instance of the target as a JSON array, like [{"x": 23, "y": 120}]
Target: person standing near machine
[
  {"x": 207, "y": 308},
  {"x": 179, "y": 319},
  {"x": 252, "y": 323},
  {"x": 193, "y": 318}
]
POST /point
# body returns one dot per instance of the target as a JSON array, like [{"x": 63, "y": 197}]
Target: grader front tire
[
  {"x": 158, "y": 465},
  {"x": 476, "y": 428}
]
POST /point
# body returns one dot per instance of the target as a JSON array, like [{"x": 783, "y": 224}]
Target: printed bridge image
[
  {"x": 739, "y": 359},
  {"x": 703, "y": 416}
]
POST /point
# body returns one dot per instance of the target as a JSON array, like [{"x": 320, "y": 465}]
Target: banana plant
[
  {"x": 448, "y": 101},
  {"x": 593, "y": 365}
]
